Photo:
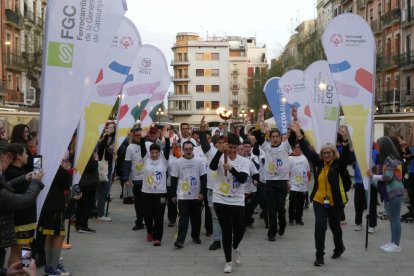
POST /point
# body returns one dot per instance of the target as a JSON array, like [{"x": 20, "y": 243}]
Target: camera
[{"x": 26, "y": 256}]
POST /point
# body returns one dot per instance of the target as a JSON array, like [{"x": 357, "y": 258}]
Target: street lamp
[
  {"x": 160, "y": 112},
  {"x": 252, "y": 115},
  {"x": 243, "y": 114}
]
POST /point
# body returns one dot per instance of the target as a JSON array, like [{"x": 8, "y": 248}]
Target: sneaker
[
  {"x": 86, "y": 230},
  {"x": 62, "y": 270},
  {"x": 215, "y": 245},
  {"x": 371, "y": 230},
  {"x": 358, "y": 227},
  {"x": 66, "y": 245},
  {"x": 157, "y": 243},
  {"x": 271, "y": 238},
  {"x": 178, "y": 245},
  {"x": 209, "y": 234},
  {"x": 382, "y": 247},
  {"x": 393, "y": 248},
  {"x": 228, "y": 267},
  {"x": 171, "y": 224},
  {"x": 319, "y": 262},
  {"x": 138, "y": 227},
  {"x": 281, "y": 231},
  {"x": 150, "y": 238},
  {"x": 236, "y": 256},
  {"x": 196, "y": 240},
  {"x": 338, "y": 253},
  {"x": 104, "y": 219}
]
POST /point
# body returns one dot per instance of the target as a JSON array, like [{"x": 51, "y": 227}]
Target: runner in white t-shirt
[
  {"x": 228, "y": 197},
  {"x": 154, "y": 187},
  {"x": 189, "y": 183},
  {"x": 298, "y": 182}
]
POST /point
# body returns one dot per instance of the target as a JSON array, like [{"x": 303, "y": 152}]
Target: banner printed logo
[
  {"x": 287, "y": 88},
  {"x": 146, "y": 62},
  {"x": 60, "y": 54},
  {"x": 127, "y": 42},
  {"x": 337, "y": 39},
  {"x": 330, "y": 113}
]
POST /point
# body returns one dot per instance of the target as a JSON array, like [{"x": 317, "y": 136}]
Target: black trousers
[
  {"x": 172, "y": 207},
  {"x": 2, "y": 256},
  {"x": 296, "y": 203},
  {"x": 360, "y": 204},
  {"x": 153, "y": 208},
  {"x": 136, "y": 190},
  {"x": 323, "y": 216},
  {"x": 231, "y": 219},
  {"x": 250, "y": 204},
  {"x": 208, "y": 219},
  {"x": 276, "y": 192},
  {"x": 189, "y": 210},
  {"x": 84, "y": 208}
]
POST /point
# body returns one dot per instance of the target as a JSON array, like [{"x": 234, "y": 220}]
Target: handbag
[
  {"x": 103, "y": 170},
  {"x": 128, "y": 195}
]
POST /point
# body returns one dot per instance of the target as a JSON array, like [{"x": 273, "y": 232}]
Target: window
[
  {"x": 235, "y": 98},
  {"x": 215, "y": 88},
  {"x": 215, "y": 73},
  {"x": 199, "y": 56},
  {"x": 200, "y": 72},
  {"x": 215, "y": 56},
  {"x": 215, "y": 104},
  {"x": 199, "y": 105},
  {"x": 199, "y": 88}
]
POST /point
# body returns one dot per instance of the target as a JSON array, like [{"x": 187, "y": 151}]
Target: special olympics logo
[
  {"x": 127, "y": 42},
  {"x": 336, "y": 39},
  {"x": 287, "y": 88},
  {"x": 146, "y": 62}
]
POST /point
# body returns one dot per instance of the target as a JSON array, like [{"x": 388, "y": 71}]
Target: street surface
[{"x": 117, "y": 250}]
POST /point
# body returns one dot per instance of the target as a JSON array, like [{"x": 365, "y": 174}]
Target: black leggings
[
  {"x": 231, "y": 219},
  {"x": 153, "y": 208}
]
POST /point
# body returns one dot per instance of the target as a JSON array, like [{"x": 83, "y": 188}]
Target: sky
[{"x": 271, "y": 22}]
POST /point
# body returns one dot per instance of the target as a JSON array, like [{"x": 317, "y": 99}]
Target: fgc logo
[
  {"x": 60, "y": 54},
  {"x": 146, "y": 62},
  {"x": 337, "y": 39}
]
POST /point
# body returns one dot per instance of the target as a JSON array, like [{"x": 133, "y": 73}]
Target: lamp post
[
  {"x": 243, "y": 114},
  {"x": 264, "y": 107},
  {"x": 160, "y": 112},
  {"x": 225, "y": 115}
]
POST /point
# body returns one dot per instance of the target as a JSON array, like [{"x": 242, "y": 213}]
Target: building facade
[
  {"x": 211, "y": 73},
  {"x": 21, "y": 38}
]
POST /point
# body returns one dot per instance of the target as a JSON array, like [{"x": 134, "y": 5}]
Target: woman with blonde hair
[{"x": 328, "y": 194}]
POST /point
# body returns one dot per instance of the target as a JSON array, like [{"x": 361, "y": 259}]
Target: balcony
[
  {"x": 376, "y": 26},
  {"x": 180, "y": 97},
  {"x": 13, "y": 97},
  {"x": 14, "y": 62},
  {"x": 181, "y": 78},
  {"x": 29, "y": 17},
  {"x": 39, "y": 22},
  {"x": 235, "y": 87},
  {"x": 387, "y": 62},
  {"x": 407, "y": 17},
  {"x": 14, "y": 18},
  {"x": 182, "y": 61},
  {"x": 361, "y": 4},
  {"x": 391, "y": 17},
  {"x": 406, "y": 60}
]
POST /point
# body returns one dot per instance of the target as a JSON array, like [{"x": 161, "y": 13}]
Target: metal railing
[
  {"x": 406, "y": 59},
  {"x": 376, "y": 25},
  {"x": 13, "y": 17},
  {"x": 14, "y": 60},
  {"x": 387, "y": 61},
  {"x": 391, "y": 16}
]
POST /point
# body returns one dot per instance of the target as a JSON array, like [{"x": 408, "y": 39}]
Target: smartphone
[
  {"x": 26, "y": 256},
  {"x": 37, "y": 163}
]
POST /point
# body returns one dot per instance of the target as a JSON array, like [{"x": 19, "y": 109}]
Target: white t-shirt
[
  {"x": 188, "y": 172},
  {"x": 211, "y": 175},
  {"x": 249, "y": 186},
  {"x": 171, "y": 162},
  {"x": 154, "y": 175},
  {"x": 299, "y": 172},
  {"x": 133, "y": 154},
  {"x": 276, "y": 161},
  {"x": 227, "y": 190}
]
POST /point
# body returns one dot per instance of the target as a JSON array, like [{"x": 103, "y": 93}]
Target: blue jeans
[
  {"x": 216, "y": 224},
  {"x": 393, "y": 208},
  {"x": 101, "y": 197}
]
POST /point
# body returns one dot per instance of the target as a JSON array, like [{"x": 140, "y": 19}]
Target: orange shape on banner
[
  {"x": 364, "y": 78},
  {"x": 122, "y": 111},
  {"x": 100, "y": 76},
  {"x": 307, "y": 111}
]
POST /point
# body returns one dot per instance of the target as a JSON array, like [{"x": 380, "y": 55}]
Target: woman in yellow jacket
[{"x": 328, "y": 194}]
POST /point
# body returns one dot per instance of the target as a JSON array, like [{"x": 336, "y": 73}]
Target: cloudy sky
[{"x": 270, "y": 21}]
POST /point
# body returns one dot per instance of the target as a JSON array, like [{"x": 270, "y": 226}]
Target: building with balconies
[
  {"x": 21, "y": 40},
  {"x": 212, "y": 72}
]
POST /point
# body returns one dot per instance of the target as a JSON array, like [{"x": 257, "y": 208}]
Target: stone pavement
[{"x": 117, "y": 250}]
